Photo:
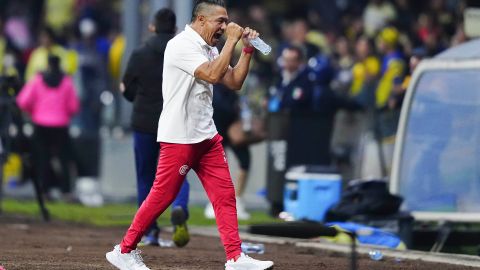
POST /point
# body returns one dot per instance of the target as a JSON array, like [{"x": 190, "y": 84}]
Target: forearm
[
  {"x": 214, "y": 71},
  {"x": 236, "y": 76}
]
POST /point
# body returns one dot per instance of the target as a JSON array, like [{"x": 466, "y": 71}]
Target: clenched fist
[{"x": 234, "y": 31}]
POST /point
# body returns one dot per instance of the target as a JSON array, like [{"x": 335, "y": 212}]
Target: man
[
  {"x": 141, "y": 85},
  {"x": 391, "y": 77},
  {"x": 291, "y": 95},
  {"x": 188, "y": 137},
  {"x": 308, "y": 107},
  {"x": 293, "y": 91}
]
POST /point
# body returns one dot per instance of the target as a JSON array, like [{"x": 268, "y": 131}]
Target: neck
[{"x": 199, "y": 29}]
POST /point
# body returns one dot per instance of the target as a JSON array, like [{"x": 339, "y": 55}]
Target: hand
[
  {"x": 234, "y": 31},
  {"x": 121, "y": 87},
  {"x": 248, "y": 34}
]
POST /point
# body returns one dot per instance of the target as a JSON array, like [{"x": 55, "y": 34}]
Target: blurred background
[{"x": 328, "y": 95}]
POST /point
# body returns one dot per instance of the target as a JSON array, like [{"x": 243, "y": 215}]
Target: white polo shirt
[{"x": 187, "y": 102}]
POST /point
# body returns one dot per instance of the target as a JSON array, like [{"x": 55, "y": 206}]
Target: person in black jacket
[{"x": 142, "y": 85}]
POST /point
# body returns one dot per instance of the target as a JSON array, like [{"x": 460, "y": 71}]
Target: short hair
[
  {"x": 200, "y": 5},
  {"x": 165, "y": 21}
]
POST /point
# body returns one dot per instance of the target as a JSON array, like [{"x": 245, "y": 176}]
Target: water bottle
[
  {"x": 252, "y": 248},
  {"x": 260, "y": 45},
  {"x": 375, "y": 255},
  {"x": 245, "y": 114},
  {"x": 165, "y": 243}
]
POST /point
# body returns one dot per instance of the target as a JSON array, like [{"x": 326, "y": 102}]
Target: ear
[{"x": 201, "y": 19}]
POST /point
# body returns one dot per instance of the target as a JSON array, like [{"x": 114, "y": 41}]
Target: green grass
[{"x": 112, "y": 214}]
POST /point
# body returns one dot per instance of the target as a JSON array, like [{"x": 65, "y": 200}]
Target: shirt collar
[{"x": 189, "y": 30}]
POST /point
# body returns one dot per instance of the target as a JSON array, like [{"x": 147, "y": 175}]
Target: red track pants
[{"x": 208, "y": 160}]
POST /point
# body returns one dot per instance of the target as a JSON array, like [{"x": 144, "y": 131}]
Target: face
[
  {"x": 341, "y": 46},
  {"x": 299, "y": 31},
  {"x": 214, "y": 22},
  {"x": 381, "y": 46},
  {"x": 362, "y": 48},
  {"x": 291, "y": 61}
]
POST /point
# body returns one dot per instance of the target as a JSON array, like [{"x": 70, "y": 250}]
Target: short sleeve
[{"x": 187, "y": 56}]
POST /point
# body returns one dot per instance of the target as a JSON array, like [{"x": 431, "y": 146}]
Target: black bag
[{"x": 364, "y": 198}]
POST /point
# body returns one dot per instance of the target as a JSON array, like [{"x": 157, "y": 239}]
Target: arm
[
  {"x": 73, "y": 102},
  {"x": 26, "y": 97},
  {"x": 213, "y": 71},
  {"x": 234, "y": 77},
  {"x": 128, "y": 85},
  {"x": 31, "y": 65}
]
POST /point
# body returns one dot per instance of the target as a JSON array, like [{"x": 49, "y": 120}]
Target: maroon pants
[{"x": 208, "y": 160}]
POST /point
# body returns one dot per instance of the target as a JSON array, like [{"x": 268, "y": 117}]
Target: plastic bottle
[
  {"x": 252, "y": 248},
  {"x": 165, "y": 243},
  {"x": 245, "y": 114},
  {"x": 375, "y": 255},
  {"x": 260, "y": 45}
]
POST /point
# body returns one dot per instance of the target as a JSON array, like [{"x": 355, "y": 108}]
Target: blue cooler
[{"x": 310, "y": 191}]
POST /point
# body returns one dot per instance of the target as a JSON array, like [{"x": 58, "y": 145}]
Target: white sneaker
[
  {"x": 242, "y": 214},
  {"x": 209, "y": 212},
  {"x": 126, "y": 261},
  {"x": 247, "y": 263}
]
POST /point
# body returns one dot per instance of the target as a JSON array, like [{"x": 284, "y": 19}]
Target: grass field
[{"x": 112, "y": 214}]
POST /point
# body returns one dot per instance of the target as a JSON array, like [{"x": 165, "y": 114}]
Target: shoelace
[{"x": 137, "y": 257}]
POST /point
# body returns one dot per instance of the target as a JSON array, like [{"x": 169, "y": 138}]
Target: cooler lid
[{"x": 313, "y": 172}]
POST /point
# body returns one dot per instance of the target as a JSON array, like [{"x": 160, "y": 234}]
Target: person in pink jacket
[{"x": 51, "y": 101}]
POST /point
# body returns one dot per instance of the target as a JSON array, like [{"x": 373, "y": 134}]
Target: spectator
[
  {"x": 396, "y": 100},
  {"x": 296, "y": 35},
  {"x": 343, "y": 62},
  {"x": 92, "y": 75},
  {"x": 351, "y": 127},
  {"x": 392, "y": 68},
  {"x": 293, "y": 92},
  {"x": 391, "y": 75},
  {"x": 59, "y": 14},
  {"x": 50, "y": 99},
  {"x": 378, "y": 14},
  {"x": 365, "y": 70},
  {"x": 38, "y": 61}
]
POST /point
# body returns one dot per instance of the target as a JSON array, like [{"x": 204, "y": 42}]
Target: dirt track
[{"x": 30, "y": 244}]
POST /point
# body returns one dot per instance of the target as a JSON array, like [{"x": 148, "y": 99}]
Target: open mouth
[{"x": 217, "y": 36}]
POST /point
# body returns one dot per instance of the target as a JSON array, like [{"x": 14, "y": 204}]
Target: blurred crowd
[
  {"x": 343, "y": 63},
  {"x": 340, "y": 71}
]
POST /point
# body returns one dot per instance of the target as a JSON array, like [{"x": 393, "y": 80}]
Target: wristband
[{"x": 248, "y": 50}]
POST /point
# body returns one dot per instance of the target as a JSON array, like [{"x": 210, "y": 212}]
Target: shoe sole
[
  {"x": 180, "y": 237},
  {"x": 113, "y": 259}
]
